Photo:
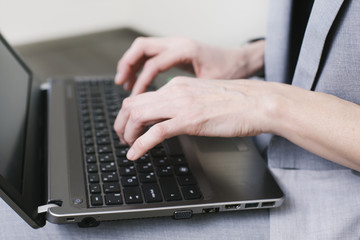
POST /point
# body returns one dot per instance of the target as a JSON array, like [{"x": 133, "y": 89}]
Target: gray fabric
[
  {"x": 333, "y": 33},
  {"x": 231, "y": 225},
  {"x": 322, "y": 198},
  {"x": 321, "y": 19},
  {"x": 277, "y": 44},
  {"x": 318, "y": 205}
]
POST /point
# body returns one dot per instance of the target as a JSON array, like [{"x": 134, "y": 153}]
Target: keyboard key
[
  {"x": 144, "y": 159},
  {"x": 182, "y": 170},
  {"x": 117, "y": 142},
  {"x": 144, "y": 167},
  {"x": 123, "y": 162},
  {"x": 99, "y": 118},
  {"x": 151, "y": 193},
  {"x": 191, "y": 192},
  {"x": 104, "y": 149},
  {"x": 121, "y": 152},
  {"x": 186, "y": 180},
  {"x": 103, "y": 141},
  {"x": 85, "y": 119},
  {"x": 108, "y": 167},
  {"x": 95, "y": 188},
  {"x": 161, "y": 161},
  {"x": 92, "y": 168},
  {"x": 158, "y": 152},
  {"x": 93, "y": 178},
  {"x": 108, "y": 157},
  {"x": 86, "y": 126},
  {"x": 100, "y": 124},
  {"x": 96, "y": 200},
  {"x": 90, "y": 158},
  {"x": 87, "y": 134},
  {"x": 129, "y": 181},
  {"x": 178, "y": 160},
  {"x": 132, "y": 195},
  {"x": 127, "y": 171},
  {"x": 110, "y": 177},
  {"x": 104, "y": 132},
  {"x": 164, "y": 171},
  {"x": 112, "y": 187},
  {"x": 170, "y": 189},
  {"x": 147, "y": 177},
  {"x": 89, "y": 142},
  {"x": 89, "y": 149},
  {"x": 113, "y": 199}
]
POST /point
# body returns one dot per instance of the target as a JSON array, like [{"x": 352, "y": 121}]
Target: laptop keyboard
[{"x": 161, "y": 175}]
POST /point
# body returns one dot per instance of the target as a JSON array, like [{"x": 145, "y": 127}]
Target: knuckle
[
  {"x": 189, "y": 46},
  {"x": 177, "y": 81},
  {"x": 160, "y": 131},
  {"x": 151, "y": 66},
  {"x": 126, "y": 104},
  {"x": 128, "y": 139},
  {"x": 139, "y": 41},
  {"x": 140, "y": 145},
  {"x": 135, "y": 116}
]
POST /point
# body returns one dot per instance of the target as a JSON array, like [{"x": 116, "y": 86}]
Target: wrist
[{"x": 277, "y": 109}]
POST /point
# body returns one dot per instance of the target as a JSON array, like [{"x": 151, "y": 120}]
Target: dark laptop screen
[{"x": 14, "y": 90}]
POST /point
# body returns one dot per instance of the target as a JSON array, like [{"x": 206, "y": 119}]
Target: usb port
[
  {"x": 268, "y": 204},
  {"x": 251, "y": 205}
]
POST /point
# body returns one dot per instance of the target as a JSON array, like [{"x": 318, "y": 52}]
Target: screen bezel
[{"x": 25, "y": 203}]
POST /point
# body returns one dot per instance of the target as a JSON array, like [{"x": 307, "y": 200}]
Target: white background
[{"x": 222, "y": 22}]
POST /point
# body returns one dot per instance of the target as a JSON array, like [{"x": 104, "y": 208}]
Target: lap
[{"x": 318, "y": 205}]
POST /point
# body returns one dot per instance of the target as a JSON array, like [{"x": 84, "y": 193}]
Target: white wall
[{"x": 222, "y": 22}]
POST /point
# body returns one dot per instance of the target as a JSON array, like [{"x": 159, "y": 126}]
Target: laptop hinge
[{"x": 46, "y": 207}]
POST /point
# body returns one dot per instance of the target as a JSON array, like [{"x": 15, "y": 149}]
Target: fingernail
[
  {"x": 118, "y": 77},
  {"x": 130, "y": 154}
]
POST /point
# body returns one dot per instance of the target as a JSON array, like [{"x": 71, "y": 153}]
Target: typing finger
[{"x": 155, "y": 135}]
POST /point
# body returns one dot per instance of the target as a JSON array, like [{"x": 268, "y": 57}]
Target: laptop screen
[{"x": 14, "y": 90}]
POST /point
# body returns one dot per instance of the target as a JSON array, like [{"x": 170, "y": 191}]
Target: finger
[
  {"x": 154, "y": 66},
  {"x": 129, "y": 83},
  {"x": 153, "y": 109},
  {"x": 136, "y": 113},
  {"x": 122, "y": 118},
  {"x": 133, "y": 58},
  {"x": 155, "y": 135}
]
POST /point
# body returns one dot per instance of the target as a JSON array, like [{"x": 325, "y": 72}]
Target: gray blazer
[
  {"x": 329, "y": 61},
  {"x": 323, "y": 198}
]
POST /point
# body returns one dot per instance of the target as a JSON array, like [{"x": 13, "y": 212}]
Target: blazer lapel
[{"x": 321, "y": 19}]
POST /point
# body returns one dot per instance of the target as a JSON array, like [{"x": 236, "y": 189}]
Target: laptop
[{"x": 61, "y": 161}]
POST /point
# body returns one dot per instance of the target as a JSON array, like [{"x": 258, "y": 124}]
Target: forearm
[{"x": 320, "y": 123}]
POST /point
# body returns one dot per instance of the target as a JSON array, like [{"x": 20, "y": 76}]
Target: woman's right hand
[{"x": 155, "y": 55}]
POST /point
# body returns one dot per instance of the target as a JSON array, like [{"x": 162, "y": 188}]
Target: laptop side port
[
  {"x": 267, "y": 204},
  {"x": 210, "y": 210},
  {"x": 182, "y": 214},
  {"x": 233, "y": 206},
  {"x": 251, "y": 205}
]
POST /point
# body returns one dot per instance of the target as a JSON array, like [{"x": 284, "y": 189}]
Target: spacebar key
[{"x": 170, "y": 189}]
